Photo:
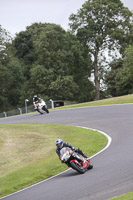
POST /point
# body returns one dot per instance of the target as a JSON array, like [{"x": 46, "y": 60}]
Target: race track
[{"x": 113, "y": 169}]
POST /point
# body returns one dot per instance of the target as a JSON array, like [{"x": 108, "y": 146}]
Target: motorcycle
[
  {"x": 75, "y": 160},
  {"x": 41, "y": 107}
]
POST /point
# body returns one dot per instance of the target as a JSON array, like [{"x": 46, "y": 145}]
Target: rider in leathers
[
  {"x": 37, "y": 99},
  {"x": 60, "y": 144}
]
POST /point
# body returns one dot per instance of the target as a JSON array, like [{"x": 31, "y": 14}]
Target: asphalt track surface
[{"x": 112, "y": 174}]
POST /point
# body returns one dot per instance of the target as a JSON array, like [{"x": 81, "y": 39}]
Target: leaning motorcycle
[
  {"x": 75, "y": 160},
  {"x": 41, "y": 107}
]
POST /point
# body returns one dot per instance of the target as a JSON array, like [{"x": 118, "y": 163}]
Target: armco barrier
[
  {"x": 19, "y": 111},
  {"x": 27, "y": 109}
]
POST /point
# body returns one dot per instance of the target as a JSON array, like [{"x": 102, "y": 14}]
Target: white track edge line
[
  {"x": 107, "y": 145},
  {"x": 106, "y": 135}
]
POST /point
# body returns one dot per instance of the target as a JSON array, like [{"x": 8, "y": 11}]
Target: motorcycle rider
[
  {"x": 60, "y": 144},
  {"x": 37, "y": 99}
]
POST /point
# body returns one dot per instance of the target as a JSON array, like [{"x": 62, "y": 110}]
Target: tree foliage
[
  {"x": 54, "y": 63},
  {"x": 119, "y": 79},
  {"x": 102, "y": 25},
  {"x": 10, "y": 73},
  {"x": 11, "y": 77}
]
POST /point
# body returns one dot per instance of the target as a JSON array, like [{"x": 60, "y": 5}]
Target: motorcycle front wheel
[
  {"x": 39, "y": 111},
  {"x": 77, "y": 167},
  {"x": 90, "y": 166}
]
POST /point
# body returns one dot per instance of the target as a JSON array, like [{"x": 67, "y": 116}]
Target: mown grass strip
[
  {"x": 128, "y": 196},
  {"x": 114, "y": 100},
  {"x": 27, "y": 152}
]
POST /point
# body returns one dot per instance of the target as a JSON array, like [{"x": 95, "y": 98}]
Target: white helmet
[{"x": 59, "y": 143}]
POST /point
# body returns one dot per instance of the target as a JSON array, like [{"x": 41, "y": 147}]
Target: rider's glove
[{"x": 74, "y": 148}]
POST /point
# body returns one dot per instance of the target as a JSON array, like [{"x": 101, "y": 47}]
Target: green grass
[
  {"x": 27, "y": 152},
  {"x": 114, "y": 100},
  {"x": 128, "y": 196}
]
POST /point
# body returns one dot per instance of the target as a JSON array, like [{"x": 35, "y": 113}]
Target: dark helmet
[
  {"x": 35, "y": 97},
  {"x": 59, "y": 143}
]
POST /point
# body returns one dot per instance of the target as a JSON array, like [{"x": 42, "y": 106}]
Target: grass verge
[
  {"x": 128, "y": 196},
  {"x": 114, "y": 100},
  {"x": 27, "y": 152}
]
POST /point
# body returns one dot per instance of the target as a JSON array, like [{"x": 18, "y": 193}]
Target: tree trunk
[
  {"x": 96, "y": 76},
  {"x": 97, "y": 84}
]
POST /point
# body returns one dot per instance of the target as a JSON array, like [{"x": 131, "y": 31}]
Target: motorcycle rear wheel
[{"x": 77, "y": 168}]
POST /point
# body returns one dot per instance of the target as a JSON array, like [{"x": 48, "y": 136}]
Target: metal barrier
[{"x": 26, "y": 109}]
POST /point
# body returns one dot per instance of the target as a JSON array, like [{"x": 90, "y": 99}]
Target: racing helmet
[
  {"x": 35, "y": 98},
  {"x": 59, "y": 143}
]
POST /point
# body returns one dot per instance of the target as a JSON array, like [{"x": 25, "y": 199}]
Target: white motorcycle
[{"x": 41, "y": 107}]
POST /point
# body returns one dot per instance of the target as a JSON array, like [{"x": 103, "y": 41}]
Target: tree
[
  {"x": 113, "y": 77},
  {"x": 4, "y": 37},
  {"x": 58, "y": 62},
  {"x": 119, "y": 79},
  {"x": 12, "y": 79},
  {"x": 11, "y": 75},
  {"x": 102, "y": 25},
  {"x": 128, "y": 68}
]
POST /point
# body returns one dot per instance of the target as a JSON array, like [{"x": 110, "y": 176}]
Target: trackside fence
[{"x": 28, "y": 109}]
